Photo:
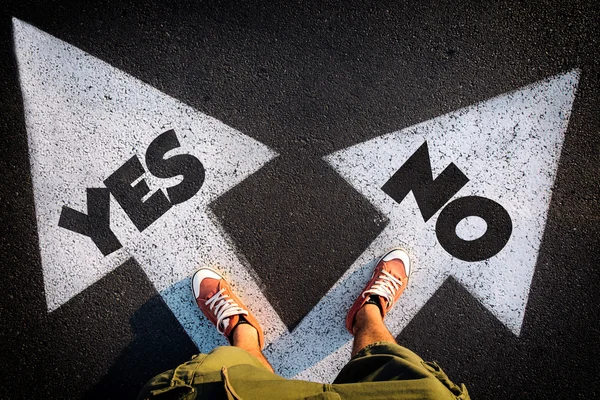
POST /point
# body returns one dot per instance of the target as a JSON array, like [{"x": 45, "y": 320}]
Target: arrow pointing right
[{"x": 508, "y": 149}]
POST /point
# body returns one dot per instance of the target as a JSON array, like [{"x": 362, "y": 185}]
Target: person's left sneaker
[{"x": 220, "y": 305}]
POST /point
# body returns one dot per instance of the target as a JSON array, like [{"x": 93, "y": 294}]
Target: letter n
[{"x": 415, "y": 175}]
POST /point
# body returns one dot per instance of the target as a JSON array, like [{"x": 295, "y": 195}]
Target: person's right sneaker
[
  {"x": 386, "y": 285},
  {"x": 220, "y": 305}
]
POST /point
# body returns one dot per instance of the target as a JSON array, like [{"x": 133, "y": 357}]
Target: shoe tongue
[
  {"x": 228, "y": 323},
  {"x": 208, "y": 288}
]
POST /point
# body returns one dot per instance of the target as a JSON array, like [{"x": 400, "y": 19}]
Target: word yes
[{"x": 96, "y": 224}]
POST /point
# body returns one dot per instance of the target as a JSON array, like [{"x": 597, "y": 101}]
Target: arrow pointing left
[{"x": 86, "y": 120}]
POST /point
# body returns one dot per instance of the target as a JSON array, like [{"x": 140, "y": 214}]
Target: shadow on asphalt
[{"x": 159, "y": 344}]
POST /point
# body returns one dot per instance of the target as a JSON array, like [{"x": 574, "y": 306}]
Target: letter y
[{"x": 96, "y": 224}]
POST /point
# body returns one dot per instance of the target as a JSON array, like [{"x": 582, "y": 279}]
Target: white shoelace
[
  {"x": 385, "y": 286},
  {"x": 223, "y": 308}
]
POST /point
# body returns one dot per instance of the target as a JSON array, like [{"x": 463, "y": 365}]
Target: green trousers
[{"x": 379, "y": 371}]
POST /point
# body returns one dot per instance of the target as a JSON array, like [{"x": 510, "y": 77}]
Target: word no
[{"x": 431, "y": 195}]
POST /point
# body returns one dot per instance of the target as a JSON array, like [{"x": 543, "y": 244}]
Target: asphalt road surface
[{"x": 486, "y": 112}]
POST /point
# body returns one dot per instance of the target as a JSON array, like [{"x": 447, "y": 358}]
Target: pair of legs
[
  {"x": 364, "y": 320},
  {"x": 368, "y": 329},
  {"x": 398, "y": 370}
]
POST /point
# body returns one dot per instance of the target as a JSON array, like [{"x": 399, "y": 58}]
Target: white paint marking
[
  {"x": 84, "y": 119},
  {"x": 471, "y": 228}
]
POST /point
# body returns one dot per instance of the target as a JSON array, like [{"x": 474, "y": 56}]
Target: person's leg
[
  {"x": 369, "y": 328},
  {"x": 387, "y": 361},
  {"x": 245, "y": 336},
  {"x": 227, "y": 312},
  {"x": 365, "y": 317},
  {"x": 203, "y": 374}
]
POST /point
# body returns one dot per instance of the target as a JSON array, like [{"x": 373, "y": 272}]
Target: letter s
[{"x": 183, "y": 164}]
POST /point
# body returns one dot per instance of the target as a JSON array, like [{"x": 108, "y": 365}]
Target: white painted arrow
[
  {"x": 85, "y": 119},
  {"x": 509, "y": 148}
]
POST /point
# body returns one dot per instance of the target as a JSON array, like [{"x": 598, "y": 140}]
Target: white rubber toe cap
[
  {"x": 199, "y": 276},
  {"x": 402, "y": 255}
]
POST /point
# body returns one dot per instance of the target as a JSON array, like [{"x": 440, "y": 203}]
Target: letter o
[{"x": 499, "y": 228}]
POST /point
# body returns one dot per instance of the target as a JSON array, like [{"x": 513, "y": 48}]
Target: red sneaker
[
  {"x": 218, "y": 303},
  {"x": 388, "y": 282}
]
